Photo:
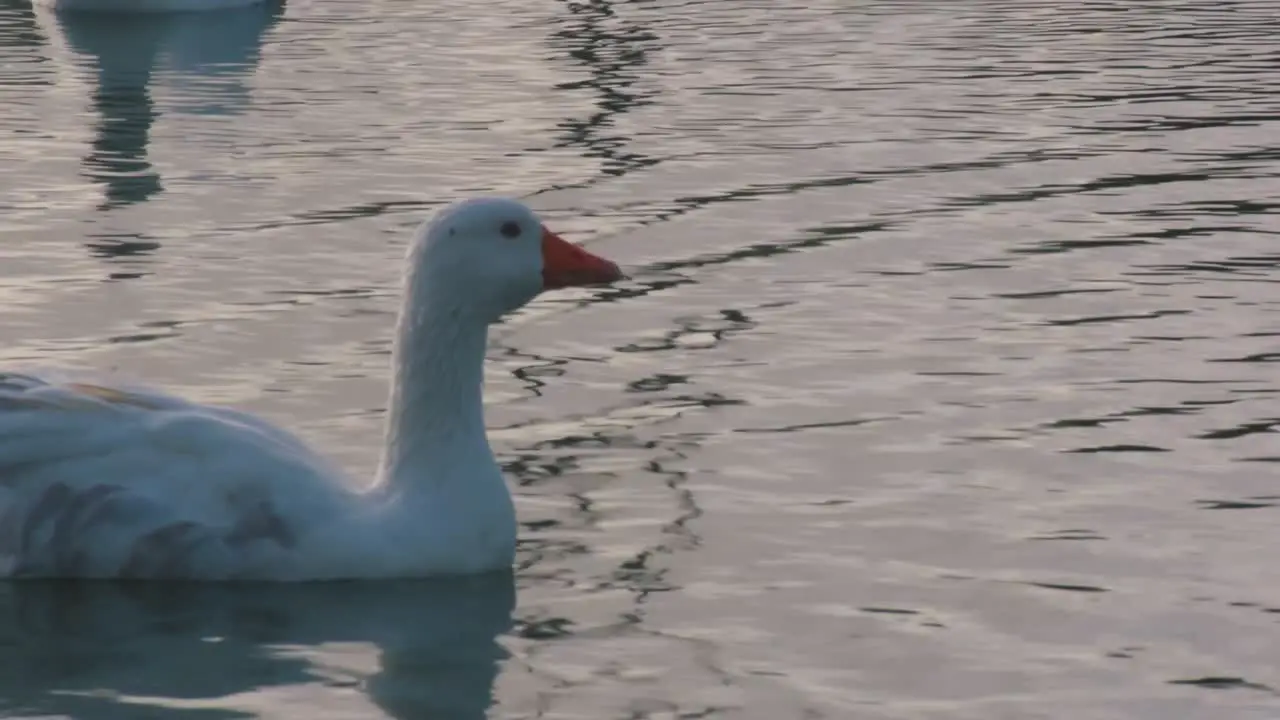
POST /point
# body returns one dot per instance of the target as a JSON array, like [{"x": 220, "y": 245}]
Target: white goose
[{"x": 102, "y": 481}]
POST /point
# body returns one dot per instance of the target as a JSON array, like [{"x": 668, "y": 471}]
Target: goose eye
[{"x": 510, "y": 229}]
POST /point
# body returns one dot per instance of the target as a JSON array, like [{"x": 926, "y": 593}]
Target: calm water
[{"x": 946, "y": 384}]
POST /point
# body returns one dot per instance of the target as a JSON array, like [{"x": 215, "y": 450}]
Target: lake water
[{"x": 946, "y": 384}]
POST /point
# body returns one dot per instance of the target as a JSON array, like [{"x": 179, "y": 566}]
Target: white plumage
[
  {"x": 100, "y": 481},
  {"x": 106, "y": 481}
]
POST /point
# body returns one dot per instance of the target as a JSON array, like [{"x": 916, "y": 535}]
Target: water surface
[{"x": 945, "y": 385}]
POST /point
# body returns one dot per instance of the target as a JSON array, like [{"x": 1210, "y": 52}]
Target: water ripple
[{"x": 948, "y": 342}]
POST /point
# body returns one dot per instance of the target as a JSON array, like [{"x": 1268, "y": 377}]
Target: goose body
[{"x": 102, "y": 480}]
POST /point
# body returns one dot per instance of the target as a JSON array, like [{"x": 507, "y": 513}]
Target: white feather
[{"x": 102, "y": 481}]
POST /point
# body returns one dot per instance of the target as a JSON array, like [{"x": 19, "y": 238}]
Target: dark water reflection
[
  {"x": 217, "y": 49},
  {"x": 943, "y": 386},
  {"x": 129, "y": 650},
  {"x": 614, "y": 52}
]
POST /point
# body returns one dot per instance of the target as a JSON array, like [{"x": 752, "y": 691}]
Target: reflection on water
[
  {"x": 125, "y": 54},
  {"x": 127, "y": 650},
  {"x": 613, "y": 50},
  {"x": 941, "y": 389}
]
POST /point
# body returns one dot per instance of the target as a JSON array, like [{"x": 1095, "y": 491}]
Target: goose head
[{"x": 490, "y": 256}]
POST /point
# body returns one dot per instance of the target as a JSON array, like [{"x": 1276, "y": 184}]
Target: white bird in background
[
  {"x": 101, "y": 481},
  {"x": 143, "y": 6}
]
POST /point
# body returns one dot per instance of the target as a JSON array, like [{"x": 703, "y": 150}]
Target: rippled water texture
[{"x": 945, "y": 385}]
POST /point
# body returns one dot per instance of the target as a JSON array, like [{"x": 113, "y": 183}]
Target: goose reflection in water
[
  {"x": 205, "y": 57},
  {"x": 191, "y": 649}
]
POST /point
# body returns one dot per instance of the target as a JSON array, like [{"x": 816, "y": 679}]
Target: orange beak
[{"x": 567, "y": 265}]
